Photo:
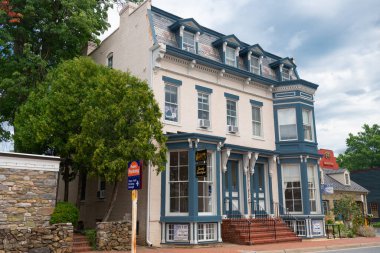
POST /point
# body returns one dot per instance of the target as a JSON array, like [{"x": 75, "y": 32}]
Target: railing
[{"x": 290, "y": 220}]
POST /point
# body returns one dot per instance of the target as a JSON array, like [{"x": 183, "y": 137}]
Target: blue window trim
[
  {"x": 203, "y": 89},
  {"x": 171, "y": 80},
  {"x": 231, "y": 96},
  {"x": 256, "y": 103}
]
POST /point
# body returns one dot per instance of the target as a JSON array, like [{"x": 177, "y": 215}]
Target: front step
[
  {"x": 257, "y": 231},
  {"x": 81, "y": 244}
]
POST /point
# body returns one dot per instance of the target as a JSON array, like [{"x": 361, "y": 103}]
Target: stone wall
[
  {"x": 56, "y": 238},
  {"x": 27, "y": 197},
  {"x": 114, "y": 235}
]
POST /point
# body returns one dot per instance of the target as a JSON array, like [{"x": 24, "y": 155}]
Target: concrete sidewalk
[{"x": 311, "y": 245}]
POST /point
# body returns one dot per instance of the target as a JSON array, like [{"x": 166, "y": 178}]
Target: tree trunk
[
  {"x": 66, "y": 178},
  {"x": 113, "y": 201}
]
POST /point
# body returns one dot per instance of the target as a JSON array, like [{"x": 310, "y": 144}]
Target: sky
[{"x": 336, "y": 44}]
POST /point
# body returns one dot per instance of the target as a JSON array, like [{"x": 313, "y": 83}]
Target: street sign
[
  {"x": 201, "y": 163},
  {"x": 135, "y": 175}
]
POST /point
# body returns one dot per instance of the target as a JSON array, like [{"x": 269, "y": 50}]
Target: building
[
  {"x": 246, "y": 107},
  {"x": 337, "y": 183},
  {"x": 369, "y": 178}
]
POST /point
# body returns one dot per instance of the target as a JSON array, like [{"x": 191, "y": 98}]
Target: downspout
[{"x": 150, "y": 244}]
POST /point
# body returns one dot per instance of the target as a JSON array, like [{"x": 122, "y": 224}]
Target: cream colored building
[{"x": 247, "y": 107}]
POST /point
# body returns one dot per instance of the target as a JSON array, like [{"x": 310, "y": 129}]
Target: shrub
[
  {"x": 65, "y": 212},
  {"x": 366, "y": 231},
  {"x": 376, "y": 224},
  {"x": 346, "y": 232},
  {"x": 91, "y": 237}
]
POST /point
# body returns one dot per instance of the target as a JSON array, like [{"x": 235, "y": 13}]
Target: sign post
[{"x": 134, "y": 184}]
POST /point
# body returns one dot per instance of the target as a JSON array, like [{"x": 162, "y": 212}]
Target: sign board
[
  {"x": 181, "y": 232},
  {"x": 135, "y": 175},
  {"x": 201, "y": 163},
  {"x": 317, "y": 227},
  {"x": 327, "y": 189}
]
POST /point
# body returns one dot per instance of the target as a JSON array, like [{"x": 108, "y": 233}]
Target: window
[
  {"x": 230, "y": 56},
  {"x": 178, "y": 182},
  {"x": 110, "y": 60},
  {"x": 255, "y": 65},
  {"x": 256, "y": 121},
  {"x": 178, "y": 232},
  {"x": 188, "y": 42},
  {"x": 203, "y": 106},
  {"x": 325, "y": 205},
  {"x": 287, "y": 124},
  {"x": 307, "y": 119},
  {"x": 346, "y": 178},
  {"x": 312, "y": 186},
  {"x": 206, "y": 188},
  {"x": 231, "y": 113},
  {"x": 171, "y": 102},
  {"x": 101, "y": 194},
  {"x": 206, "y": 232},
  {"x": 292, "y": 187},
  {"x": 301, "y": 228},
  {"x": 285, "y": 74}
]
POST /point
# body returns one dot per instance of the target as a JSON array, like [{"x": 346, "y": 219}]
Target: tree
[
  {"x": 97, "y": 119},
  {"x": 35, "y": 36},
  {"x": 347, "y": 209},
  {"x": 363, "y": 150}
]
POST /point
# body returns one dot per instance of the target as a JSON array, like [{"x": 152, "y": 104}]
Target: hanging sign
[
  {"x": 135, "y": 175},
  {"x": 201, "y": 163}
]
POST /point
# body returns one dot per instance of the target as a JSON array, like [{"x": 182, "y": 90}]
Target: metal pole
[{"x": 134, "y": 220}]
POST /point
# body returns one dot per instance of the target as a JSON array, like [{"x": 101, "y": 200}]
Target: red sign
[
  {"x": 135, "y": 175},
  {"x": 328, "y": 161}
]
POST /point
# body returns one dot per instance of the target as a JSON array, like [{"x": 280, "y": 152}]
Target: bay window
[
  {"x": 287, "y": 124},
  {"x": 292, "y": 187},
  {"x": 312, "y": 186},
  {"x": 206, "y": 188},
  {"x": 178, "y": 182},
  {"x": 307, "y": 121}
]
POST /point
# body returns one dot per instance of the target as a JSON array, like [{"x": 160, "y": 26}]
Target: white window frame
[
  {"x": 200, "y": 93},
  {"x": 309, "y": 122},
  {"x": 231, "y": 61},
  {"x": 178, "y": 104},
  {"x": 187, "y": 46},
  {"x": 255, "y": 69},
  {"x": 285, "y": 71},
  {"x": 167, "y": 200},
  {"x": 212, "y": 181},
  {"x": 167, "y": 229},
  {"x": 316, "y": 198},
  {"x": 347, "y": 180},
  {"x": 257, "y": 122},
  {"x": 284, "y": 186},
  {"x": 205, "y": 230},
  {"x": 279, "y": 123},
  {"x": 236, "y": 111}
]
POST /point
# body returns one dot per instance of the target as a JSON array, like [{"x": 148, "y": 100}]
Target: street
[{"x": 374, "y": 249}]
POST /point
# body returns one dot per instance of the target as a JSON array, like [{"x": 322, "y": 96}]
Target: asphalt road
[{"x": 375, "y": 249}]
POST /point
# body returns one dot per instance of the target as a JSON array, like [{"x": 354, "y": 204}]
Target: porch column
[{"x": 246, "y": 160}]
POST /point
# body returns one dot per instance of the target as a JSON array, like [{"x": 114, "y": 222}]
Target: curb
[{"x": 322, "y": 248}]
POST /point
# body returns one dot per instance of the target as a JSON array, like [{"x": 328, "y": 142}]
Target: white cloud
[{"x": 297, "y": 40}]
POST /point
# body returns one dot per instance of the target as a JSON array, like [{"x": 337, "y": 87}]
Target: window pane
[
  {"x": 184, "y": 173},
  {"x": 183, "y": 156}
]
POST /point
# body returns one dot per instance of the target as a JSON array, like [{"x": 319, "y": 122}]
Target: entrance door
[
  {"x": 258, "y": 191},
  {"x": 231, "y": 189}
]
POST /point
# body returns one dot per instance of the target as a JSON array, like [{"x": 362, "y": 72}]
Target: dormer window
[
  {"x": 230, "y": 56},
  {"x": 188, "y": 42},
  {"x": 285, "y": 74},
  {"x": 346, "y": 179},
  {"x": 255, "y": 65}
]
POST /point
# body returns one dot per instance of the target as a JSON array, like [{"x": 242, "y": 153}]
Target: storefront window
[{"x": 206, "y": 188}]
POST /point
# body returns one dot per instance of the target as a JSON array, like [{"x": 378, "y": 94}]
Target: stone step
[{"x": 82, "y": 249}]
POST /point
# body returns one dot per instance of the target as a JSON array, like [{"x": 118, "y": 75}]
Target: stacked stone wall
[
  {"x": 57, "y": 238},
  {"x": 114, "y": 235},
  {"x": 27, "y": 197}
]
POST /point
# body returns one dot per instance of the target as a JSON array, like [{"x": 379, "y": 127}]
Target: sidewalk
[{"x": 310, "y": 245}]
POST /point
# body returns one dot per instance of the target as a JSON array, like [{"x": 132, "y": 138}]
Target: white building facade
[{"x": 246, "y": 107}]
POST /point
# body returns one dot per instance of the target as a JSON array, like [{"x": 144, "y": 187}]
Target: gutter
[{"x": 150, "y": 244}]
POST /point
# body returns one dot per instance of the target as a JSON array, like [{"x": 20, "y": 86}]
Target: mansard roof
[{"x": 189, "y": 23}]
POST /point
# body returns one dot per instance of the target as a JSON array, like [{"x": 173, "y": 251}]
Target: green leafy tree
[
  {"x": 97, "y": 119},
  {"x": 36, "y": 35},
  {"x": 363, "y": 149}
]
